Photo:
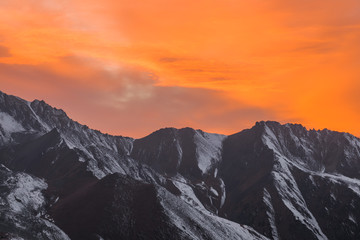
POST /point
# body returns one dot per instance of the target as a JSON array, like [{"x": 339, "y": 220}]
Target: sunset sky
[{"x": 130, "y": 67}]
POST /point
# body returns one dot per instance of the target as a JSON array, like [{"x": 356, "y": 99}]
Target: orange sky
[{"x": 131, "y": 67}]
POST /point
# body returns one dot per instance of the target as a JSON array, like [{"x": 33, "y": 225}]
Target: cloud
[
  {"x": 190, "y": 63},
  {"x": 170, "y": 59},
  {"x": 4, "y": 52},
  {"x": 198, "y": 108},
  {"x": 126, "y": 101}
]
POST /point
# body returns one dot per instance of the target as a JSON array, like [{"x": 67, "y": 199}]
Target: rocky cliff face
[
  {"x": 288, "y": 182},
  {"x": 60, "y": 180}
]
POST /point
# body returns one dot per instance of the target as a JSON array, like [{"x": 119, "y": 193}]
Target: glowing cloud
[{"x": 216, "y": 65}]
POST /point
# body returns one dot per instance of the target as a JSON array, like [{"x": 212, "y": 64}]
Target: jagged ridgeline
[{"x": 61, "y": 180}]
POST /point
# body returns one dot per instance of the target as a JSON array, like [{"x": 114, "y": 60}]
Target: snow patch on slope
[
  {"x": 8, "y": 125},
  {"x": 352, "y": 218},
  {"x": 201, "y": 224},
  {"x": 21, "y": 206},
  {"x": 27, "y": 192},
  {"x": 270, "y": 140},
  {"x": 208, "y": 149},
  {"x": 352, "y": 151},
  {"x": 287, "y": 187},
  {"x": 223, "y": 193},
  {"x": 279, "y": 142},
  {"x": 292, "y": 197},
  {"x": 352, "y": 183},
  {"x": 42, "y": 123},
  {"x": 271, "y": 214},
  {"x": 187, "y": 193}
]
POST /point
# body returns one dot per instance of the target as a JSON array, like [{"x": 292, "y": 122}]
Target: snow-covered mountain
[{"x": 61, "y": 180}]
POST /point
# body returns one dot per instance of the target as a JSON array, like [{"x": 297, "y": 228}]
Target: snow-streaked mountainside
[{"x": 61, "y": 180}]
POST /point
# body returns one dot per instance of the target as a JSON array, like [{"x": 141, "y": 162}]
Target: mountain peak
[
  {"x": 275, "y": 124},
  {"x": 41, "y": 107}
]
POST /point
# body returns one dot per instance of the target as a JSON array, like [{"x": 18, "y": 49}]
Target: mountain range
[{"x": 60, "y": 179}]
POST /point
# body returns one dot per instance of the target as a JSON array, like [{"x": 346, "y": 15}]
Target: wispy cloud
[{"x": 212, "y": 61}]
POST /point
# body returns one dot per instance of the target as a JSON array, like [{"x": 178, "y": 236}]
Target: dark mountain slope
[
  {"x": 284, "y": 181},
  {"x": 97, "y": 186},
  {"x": 116, "y": 207}
]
